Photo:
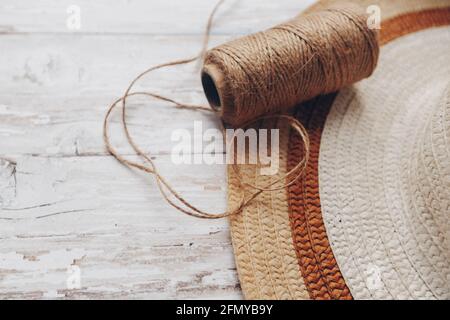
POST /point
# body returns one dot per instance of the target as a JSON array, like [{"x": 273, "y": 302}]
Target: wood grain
[
  {"x": 146, "y": 16},
  {"x": 64, "y": 202}
]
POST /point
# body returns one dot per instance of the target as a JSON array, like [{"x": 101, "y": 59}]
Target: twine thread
[
  {"x": 257, "y": 77},
  {"x": 271, "y": 71}
]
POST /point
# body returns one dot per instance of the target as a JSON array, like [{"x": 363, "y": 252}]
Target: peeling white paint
[
  {"x": 109, "y": 221},
  {"x": 46, "y": 262}
]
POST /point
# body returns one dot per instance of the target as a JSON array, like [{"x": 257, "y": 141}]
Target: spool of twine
[
  {"x": 258, "y": 76},
  {"x": 271, "y": 71}
]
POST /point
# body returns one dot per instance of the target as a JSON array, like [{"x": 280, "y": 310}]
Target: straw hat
[{"x": 370, "y": 218}]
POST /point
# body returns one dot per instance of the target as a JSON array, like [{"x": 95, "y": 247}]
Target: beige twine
[
  {"x": 271, "y": 86},
  {"x": 267, "y": 72}
]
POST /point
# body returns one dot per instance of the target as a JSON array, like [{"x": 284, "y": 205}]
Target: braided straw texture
[
  {"x": 317, "y": 263},
  {"x": 389, "y": 8},
  {"x": 384, "y": 173},
  {"x": 261, "y": 236},
  {"x": 317, "y": 286}
]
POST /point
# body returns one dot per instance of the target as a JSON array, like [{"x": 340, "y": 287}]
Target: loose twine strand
[{"x": 165, "y": 188}]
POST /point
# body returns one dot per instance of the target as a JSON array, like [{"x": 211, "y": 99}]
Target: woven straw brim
[
  {"x": 384, "y": 171},
  {"x": 281, "y": 244},
  {"x": 266, "y": 260}
]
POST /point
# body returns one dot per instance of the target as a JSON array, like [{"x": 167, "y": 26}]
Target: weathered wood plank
[
  {"x": 61, "y": 203},
  {"x": 56, "y": 92},
  {"x": 144, "y": 16},
  {"x": 111, "y": 223},
  {"x": 64, "y": 203}
]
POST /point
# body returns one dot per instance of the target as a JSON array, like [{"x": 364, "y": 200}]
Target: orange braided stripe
[{"x": 317, "y": 263}]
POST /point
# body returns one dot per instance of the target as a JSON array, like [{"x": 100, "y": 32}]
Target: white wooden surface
[{"x": 63, "y": 200}]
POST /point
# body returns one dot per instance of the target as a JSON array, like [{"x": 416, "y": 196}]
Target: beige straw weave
[
  {"x": 267, "y": 263},
  {"x": 384, "y": 173},
  {"x": 384, "y": 182}
]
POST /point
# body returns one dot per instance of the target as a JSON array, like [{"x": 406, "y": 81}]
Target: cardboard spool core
[{"x": 211, "y": 82}]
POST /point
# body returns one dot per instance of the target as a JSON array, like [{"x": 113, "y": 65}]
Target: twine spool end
[{"x": 212, "y": 82}]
